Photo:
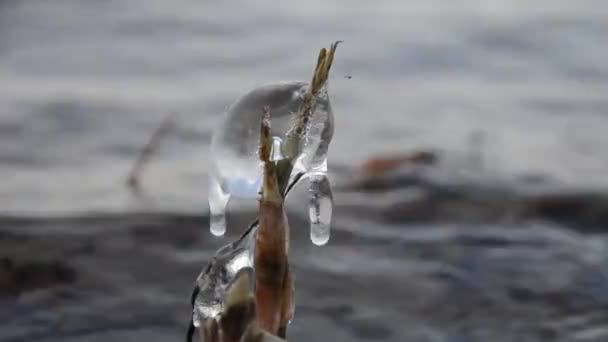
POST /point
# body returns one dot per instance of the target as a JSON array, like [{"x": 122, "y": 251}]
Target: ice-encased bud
[
  {"x": 218, "y": 276},
  {"x": 236, "y": 170}
]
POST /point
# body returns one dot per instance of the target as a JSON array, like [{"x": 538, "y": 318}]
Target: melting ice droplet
[
  {"x": 218, "y": 200},
  {"x": 276, "y": 153},
  {"x": 321, "y": 203}
]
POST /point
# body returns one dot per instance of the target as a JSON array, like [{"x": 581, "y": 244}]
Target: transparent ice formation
[
  {"x": 236, "y": 170},
  {"x": 220, "y": 273},
  {"x": 321, "y": 203}
]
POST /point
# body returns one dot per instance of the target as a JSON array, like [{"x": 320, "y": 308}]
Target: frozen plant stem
[
  {"x": 320, "y": 208},
  {"x": 274, "y": 291},
  {"x": 262, "y": 314},
  {"x": 291, "y": 149}
]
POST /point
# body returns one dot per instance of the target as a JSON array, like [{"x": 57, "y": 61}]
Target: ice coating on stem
[
  {"x": 219, "y": 274},
  {"x": 236, "y": 169},
  {"x": 302, "y": 130}
]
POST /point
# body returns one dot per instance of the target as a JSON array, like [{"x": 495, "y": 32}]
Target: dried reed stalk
[{"x": 271, "y": 265}]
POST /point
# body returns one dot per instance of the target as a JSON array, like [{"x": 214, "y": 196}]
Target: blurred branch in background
[{"x": 133, "y": 182}]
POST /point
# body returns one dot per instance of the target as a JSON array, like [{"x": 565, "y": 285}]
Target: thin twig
[{"x": 150, "y": 148}]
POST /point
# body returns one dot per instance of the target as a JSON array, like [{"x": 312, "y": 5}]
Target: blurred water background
[{"x": 83, "y": 84}]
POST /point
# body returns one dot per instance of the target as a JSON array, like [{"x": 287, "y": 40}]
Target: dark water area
[
  {"x": 128, "y": 277},
  {"x": 502, "y": 239}
]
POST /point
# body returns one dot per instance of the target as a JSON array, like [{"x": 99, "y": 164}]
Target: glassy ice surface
[
  {"x": 276, "y": 153},
  {"x": 236, "y": 170},
  {"x": 219, "y": 275}
]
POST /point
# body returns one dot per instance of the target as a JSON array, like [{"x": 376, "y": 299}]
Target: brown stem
[{"x": 270, "y": 254}]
